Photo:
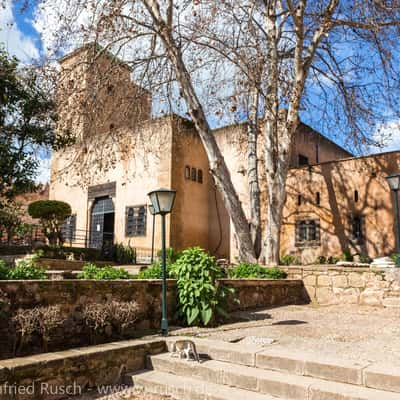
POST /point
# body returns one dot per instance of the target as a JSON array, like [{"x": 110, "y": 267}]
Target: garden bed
[{"x": 64, "y": 304}]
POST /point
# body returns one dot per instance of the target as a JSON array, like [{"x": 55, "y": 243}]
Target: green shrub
[
  {"x": 200, "y": 299},
  {"x": 123, "y": 254},
  {"x": 4, "y": 270},
  {"x": 27, "y": 269},
  {"x": 52, "y": 213},
  {"x": 346, "y": 256},
  {"x": 395, "y": 257},
  {"x": 154, "y": 271},
  {"x": 321, "y": 260},
  {"x": 255, "y": 271},
  {"x": 289, "y": 259},
  {"x": 91, "y": 271},
  {"x": 172, "y": 255}
]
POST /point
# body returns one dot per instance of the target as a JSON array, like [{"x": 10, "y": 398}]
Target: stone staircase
[{"x": 231, "y": 371}]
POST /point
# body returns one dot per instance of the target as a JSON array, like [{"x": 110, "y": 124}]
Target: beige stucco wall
[
  {"x": 315, "y": 147},
  {"x": 336, "y": 183},
  {"x": 145, "y": 167}
]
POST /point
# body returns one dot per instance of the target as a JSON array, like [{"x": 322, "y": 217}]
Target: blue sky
[{"x": 21, "y": 39}]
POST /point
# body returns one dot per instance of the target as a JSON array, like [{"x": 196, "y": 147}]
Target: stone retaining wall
[
  {"x": 70, "y": 373},
  {"x": 73, "y": 295},
  {"x": 328, "y": 285}
]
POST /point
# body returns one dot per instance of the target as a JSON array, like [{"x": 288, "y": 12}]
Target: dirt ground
[{"x": 346, "y": 331}]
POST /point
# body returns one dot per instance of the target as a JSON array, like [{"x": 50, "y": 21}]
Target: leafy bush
[
  {"x": 172, "y": 255},
  {"x": 289, "y": 259},
  {"x": 123, "y": 254},
  {"x": 394, "y": 257},
  {"x": 255, "y": 271},
  {"x": 52, "y": 213},
  {"x": 91, "y": 271},
  {"x": 4, "y": 270},
  {"x": 27, "y": 269},
  {"x": 199, "y": 297},
  {"x": 155, "y": 271}
]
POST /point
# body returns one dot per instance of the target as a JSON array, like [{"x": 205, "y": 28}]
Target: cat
[{"x": 185, "y": 348}]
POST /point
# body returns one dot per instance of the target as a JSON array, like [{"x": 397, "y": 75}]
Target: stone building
[{"x": 122, "y": 153}]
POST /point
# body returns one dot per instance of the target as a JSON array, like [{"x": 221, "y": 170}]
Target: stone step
[
  {"x": 274, "y": 383},
  {"x": 189, "y": 388},
  {"x": 278, "y": 358}
]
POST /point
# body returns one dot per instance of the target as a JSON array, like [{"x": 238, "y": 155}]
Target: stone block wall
[
  {"x": 328, "y": 285},
  {"x": 72, "y": 296},
  {"x": 257, "y": 293}
]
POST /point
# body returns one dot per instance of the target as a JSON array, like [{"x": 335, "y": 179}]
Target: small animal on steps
[{"x": 185, "y": 348}]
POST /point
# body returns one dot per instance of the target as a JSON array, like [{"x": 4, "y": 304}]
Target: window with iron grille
[
  {"x": 135, "y": 224},
  {"x": 308, "y": 232},
  {"x": 68, "y": 228},
  {"x": 356, "y": 228}
]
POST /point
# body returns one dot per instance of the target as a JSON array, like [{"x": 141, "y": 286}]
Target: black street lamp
[
  {"x": 152, "y": 212},
  {"x": 394, "y": 183},
  {"x": 162, "y": 201}
]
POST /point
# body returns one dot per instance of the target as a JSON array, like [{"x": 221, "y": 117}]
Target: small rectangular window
[
  {"x": 200, "y": 176},
  {"x": 299, "y": 200},
  {"x": 194, "y": 174},
  {"x": 303, "y": 160},
  {"x": 307, "y": 232},
  {"x": 356, "y": 228},
  {"x": 187, "y": 172},
  {"x": 135, "y": 224}
]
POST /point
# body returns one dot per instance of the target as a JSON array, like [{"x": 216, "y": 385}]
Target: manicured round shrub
[{"x": 52, "y": 213}]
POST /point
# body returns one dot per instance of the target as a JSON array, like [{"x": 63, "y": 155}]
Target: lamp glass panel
[
  {"x": 154, "y": 201},
  {"x": 394, "y": 182},
  {"x": 166, "y": 201},
  {"x": 151, "y": 209}
]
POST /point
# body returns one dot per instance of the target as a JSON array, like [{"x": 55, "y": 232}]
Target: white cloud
[
  {"x": 16, "y": 43},
  {"x": 387, "y": 136}
]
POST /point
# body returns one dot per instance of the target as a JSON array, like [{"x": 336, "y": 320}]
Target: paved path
[{"x": 353, "y": 332}]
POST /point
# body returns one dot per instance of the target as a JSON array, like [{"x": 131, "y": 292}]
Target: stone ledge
[{"x": 87, "y": 366}]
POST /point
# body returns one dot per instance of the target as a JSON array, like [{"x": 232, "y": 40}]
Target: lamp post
[
  {"x": 394, "y": 183},
  {"x": 162, "y": 201},
  {"x": 152, "y": 212}
]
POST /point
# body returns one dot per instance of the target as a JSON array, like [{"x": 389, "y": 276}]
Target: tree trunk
[
  {"x": 218, "y": 167},
  {"x": 252, "y": 173}
]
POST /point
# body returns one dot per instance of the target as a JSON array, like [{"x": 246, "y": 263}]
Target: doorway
[{"x": 102, "y": 221}]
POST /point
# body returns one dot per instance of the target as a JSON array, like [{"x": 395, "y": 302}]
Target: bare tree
[{"x": 336, "y": 59}]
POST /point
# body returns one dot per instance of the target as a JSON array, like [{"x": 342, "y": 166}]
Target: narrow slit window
[
  {"x": 318, "y": 198},
  {"x": 194, "y": 174},
  {"x": 356, "y": 196},
  {"x": 200, "y": 176},
  {"x": 187, "y": 172},
  {"x": 299, "y": 200}
]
